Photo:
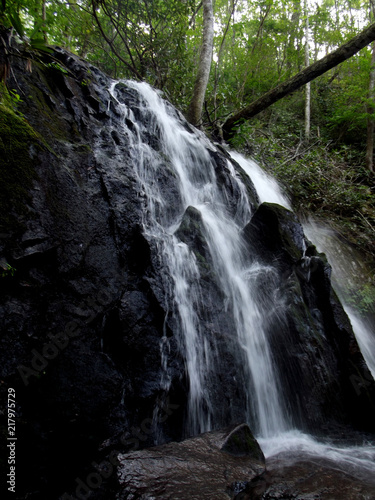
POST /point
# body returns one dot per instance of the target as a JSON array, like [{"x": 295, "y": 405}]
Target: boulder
[{"x": 212, "y": 465}]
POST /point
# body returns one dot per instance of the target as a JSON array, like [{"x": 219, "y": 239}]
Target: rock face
[
  {"x": 212, "y": 465},
  {"x": 84, "y": 322},
  {"x": 79, "y": 312}
]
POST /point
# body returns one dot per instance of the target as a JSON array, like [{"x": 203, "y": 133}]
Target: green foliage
[
  {"x": 15, "y": 97},
  {"x": 150, "y": 41},
  {"x": 339, "y": 100},
  {"x": 362, "y": 298},
  {"x": 257, "y": 45},
  {"x": 323, "y": 179},
  {"x": 56, "y": 66},
  {"x": 25, "y": 18}
]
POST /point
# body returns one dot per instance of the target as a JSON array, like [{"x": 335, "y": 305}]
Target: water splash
[{"x": 356, "y": 460}]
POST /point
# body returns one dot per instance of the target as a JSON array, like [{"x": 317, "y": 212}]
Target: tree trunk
[
  {"x": 370, "y": 108},
  {"x": 291, "y": 49},
  {"x": 370, "y": 118},
  {"x": 219, "y": 57},
  {"x": 307, "y": 75},
  {"x": 196, "y": 105},
  {"x": 308, "y": 86}
]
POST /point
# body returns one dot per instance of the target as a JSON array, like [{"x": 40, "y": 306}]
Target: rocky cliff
[{"x": 84, "y": 310}]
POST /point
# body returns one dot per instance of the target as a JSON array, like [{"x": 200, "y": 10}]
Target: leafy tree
[{"x": 148, "y": 37}]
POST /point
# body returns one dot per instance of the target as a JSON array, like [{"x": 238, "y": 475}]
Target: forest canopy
[{"x": 256, "y": 45}]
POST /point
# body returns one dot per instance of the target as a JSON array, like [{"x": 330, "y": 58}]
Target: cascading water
[
  {"x": 345, "y": 265},
  {"x": 190, "y": 164},
  {"x": 197, "y": 191},
  {"x": 356, "y": 460},
  {"x": 266, "y": 186}
]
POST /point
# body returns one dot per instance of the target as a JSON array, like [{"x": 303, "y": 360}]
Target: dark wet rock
[
  {"x": 227, "y": 184},
  {"x": 240, "y": 442},
  {"x": 191, "y": 232},
  {"x": 79, "y": 310},
  {"x": 276, "y": 232},
  {"x": 212, "y": 465}
]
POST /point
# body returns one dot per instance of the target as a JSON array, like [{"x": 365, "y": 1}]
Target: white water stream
[
  {"x": 267, "y": 187},
  {"x": 344, "y": 263},
  {"x": 190, "y": 164}
]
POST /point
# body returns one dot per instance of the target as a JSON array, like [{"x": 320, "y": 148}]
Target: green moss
[
  {"x": 204, "y": 266},
  {"x": 5, "y": 96},
  {"x": 19, "y": 146}
]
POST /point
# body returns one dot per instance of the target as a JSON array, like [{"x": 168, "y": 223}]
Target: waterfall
[
  {"x": 358, "y": 461},
  {"x": 247, "y": 288},
  {"x": 191, "y": 167},
  {"x": 344, "y": 263}
]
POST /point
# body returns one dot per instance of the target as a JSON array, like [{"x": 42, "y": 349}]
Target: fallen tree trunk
[{"x": 307, "y": 75}]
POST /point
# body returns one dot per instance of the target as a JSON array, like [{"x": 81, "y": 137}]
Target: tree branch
[{"x": 114, "y": 50}]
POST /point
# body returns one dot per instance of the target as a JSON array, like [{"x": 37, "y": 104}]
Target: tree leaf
[{"x": 40, "y": 44}]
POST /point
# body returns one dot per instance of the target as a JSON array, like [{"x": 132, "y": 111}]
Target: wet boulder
[{"x": 212, "y": 465}]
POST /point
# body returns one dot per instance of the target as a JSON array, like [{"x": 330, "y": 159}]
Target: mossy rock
[
  {"x": 191, "y": 233},
  {"x": 191, "y": 222},
  {"x": 19, "y": 148}
]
